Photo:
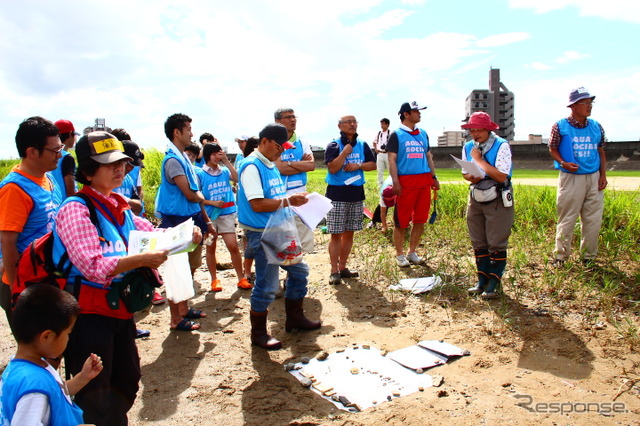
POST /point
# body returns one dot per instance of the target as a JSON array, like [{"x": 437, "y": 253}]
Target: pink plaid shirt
[{"x": 80, "y": 238}]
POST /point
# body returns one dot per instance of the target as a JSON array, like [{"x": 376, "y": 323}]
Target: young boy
[
  {"x": 32, "y": 391},
  {"x": 221, "y": 208}
]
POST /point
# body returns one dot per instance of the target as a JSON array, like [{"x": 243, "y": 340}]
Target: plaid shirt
[
  {"x": 555, "y": 138},
  {"x": 80, "y": 238}
]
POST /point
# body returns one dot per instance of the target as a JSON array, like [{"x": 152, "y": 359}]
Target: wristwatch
[
  {"x": 289, "y": 163},
  {"x": 434, "y": 177}
]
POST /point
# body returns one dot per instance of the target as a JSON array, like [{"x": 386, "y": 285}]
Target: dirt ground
[{"x": 549, "y": 357}]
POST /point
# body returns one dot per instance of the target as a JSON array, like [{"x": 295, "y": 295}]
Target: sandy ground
[{"x": 553, "y": 355}]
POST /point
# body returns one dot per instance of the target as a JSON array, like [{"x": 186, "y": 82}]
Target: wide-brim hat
[
  {"x": 579, "y": 94},
  {"x": 101, "y": 147},
  {"x": 480, "y": 120}
]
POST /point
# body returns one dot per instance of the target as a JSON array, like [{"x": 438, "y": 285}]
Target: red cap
[{"x": 65, "y": 126}]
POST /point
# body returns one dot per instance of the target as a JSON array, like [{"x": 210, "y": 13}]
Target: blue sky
[{"x": 229, "y": 65}]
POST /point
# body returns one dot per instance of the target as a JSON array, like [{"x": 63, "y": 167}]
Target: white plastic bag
[
  {"x": 280, "y": 239},
  {"x": 176, "y": 274}
]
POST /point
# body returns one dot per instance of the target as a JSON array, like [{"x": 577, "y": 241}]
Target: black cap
[
  {"x": 278, "y": 133},
  {"x": 133, "y": 150},
  {"x": 409, "y": 106}
]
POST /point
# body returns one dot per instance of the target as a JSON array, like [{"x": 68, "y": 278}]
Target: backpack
[{"x": 35, "y": 264}]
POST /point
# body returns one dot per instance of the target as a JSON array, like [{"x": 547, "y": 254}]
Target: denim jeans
[{"x": 266, "y": 284}]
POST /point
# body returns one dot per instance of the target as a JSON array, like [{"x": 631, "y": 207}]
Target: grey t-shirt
[{"x": 173, "y": 168}]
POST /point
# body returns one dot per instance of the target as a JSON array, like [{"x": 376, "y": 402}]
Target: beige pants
[{"x": 578, "y": 195}]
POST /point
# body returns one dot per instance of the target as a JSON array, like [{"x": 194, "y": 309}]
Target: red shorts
[{"x": 414, "y": 202}]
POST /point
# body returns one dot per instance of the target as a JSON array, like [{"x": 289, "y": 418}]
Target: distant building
[
  {"x": 98, "y": 126},
  {"x": 533, "y": 140},
  {"x": 497, "y": 101},
  {"x": 452, "y": 138}
]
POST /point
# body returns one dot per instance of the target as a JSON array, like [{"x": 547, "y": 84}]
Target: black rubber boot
[
  {"x": 296, "y": 318},
  {"x": 482, "y": 265},
  {"x": 498, "y": 262},
  {"x": 259, "y": 335}
]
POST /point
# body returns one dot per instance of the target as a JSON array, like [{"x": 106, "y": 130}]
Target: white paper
[
  {"x": 314, "y": 210},
  {"x": 470, "y": 167},
  {"x": 177, "y": 239},
  {"x": 417, "y": 285},
  {"x": 377, "y": 377},
  {"x": 415, "y": 357},
  {"x": 444, "y": 348}
]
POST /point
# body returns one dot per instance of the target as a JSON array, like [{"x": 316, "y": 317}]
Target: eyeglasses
[
  {"x": 117, "y": 164},
  {"x": 56, "y": 151},
  {"x": 349, "y": 122},
  {"x": 293, "y": 117},
  {"x": 586, "y": 103},
  {"x": 280, "y": 147}
]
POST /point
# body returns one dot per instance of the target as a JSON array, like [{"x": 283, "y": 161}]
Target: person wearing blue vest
[
  {"x": 490, "y": 208},
  {"x": 29, "y": 198},
  {"x": 347, "y": 158},
  {"x": 178, "y": 199},
  {"x": 205, "y": 138},
  {"x": 577, "y": 148},
  {"x": 129, "y": 188},
  {"x": 64, "y": 174},
  {"x": 261, "y": 192},
  {"x": 413, "y": 174},
  {"x": 293, "y": 165},
  {"x": 31, "y": 390},
  {"x": 215, "y": 179},
  {"x": 97, "y": 252}
]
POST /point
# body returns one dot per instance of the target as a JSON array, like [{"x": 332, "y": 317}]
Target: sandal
[
  {"x": 346, "y": 273},
  {"x": 186, "y": 325},
  {"x": 195, "y": 314}
]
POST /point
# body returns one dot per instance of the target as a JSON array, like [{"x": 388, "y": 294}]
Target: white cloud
[
  {"x": 623, "y": 10},
  {"x": 570, "y": 56}
]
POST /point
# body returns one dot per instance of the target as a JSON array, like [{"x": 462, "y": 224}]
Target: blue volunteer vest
[
  {"x": 273, "y": 189},
  {"x": 217, "y": 188},
  {"x": 43, "y": 213},
  {"x": 59, "y": 179},
  {"x": 294, "y": 154},
  {"x": 22, "y": 377},
  {"x": 412, "y": 153},
  {"x": 170, "y": 199},
  {"x": 128, "y": 187},
  {"x": 489, "y": 156},
  {"x": 340, "y": 178},
  {"x": 111, "y": 243},
  {"x": 580, "y": 146}
]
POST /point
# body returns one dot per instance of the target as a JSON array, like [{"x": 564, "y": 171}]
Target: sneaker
[
  {"x": 215, "y": 285},
  {"x": 415, "y": 259},
  {"x": 402, "y": 261},
  {"x": 244, "y": 284},
  {"x": 557, "y": 263},
  {"x": 334, "y": 279},
  {"x": 476, "y": 290},
  {"x": 157, "y": 299},
  {"x": 489, "y": 295}
]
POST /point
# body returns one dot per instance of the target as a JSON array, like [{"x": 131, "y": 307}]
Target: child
[
  {"x": 31, "y": 390},
  {"x": 221, "y": 209}
]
